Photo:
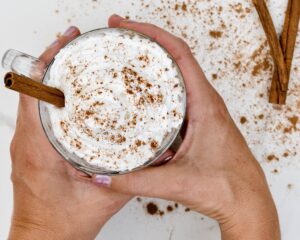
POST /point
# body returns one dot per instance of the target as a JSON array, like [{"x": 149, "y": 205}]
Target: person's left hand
[{"x": 52, "y": 200}]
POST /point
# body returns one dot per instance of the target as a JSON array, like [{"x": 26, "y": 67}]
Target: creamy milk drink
[{"x": 123, "y": 96}]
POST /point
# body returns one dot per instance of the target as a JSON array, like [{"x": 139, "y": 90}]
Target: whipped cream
[{"x": 124, "y": 97}]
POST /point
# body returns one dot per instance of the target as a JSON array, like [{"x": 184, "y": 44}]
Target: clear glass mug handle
[{"x": 24, "y": 64}]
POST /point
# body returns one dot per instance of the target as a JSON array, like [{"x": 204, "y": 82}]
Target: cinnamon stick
[
  {"x": 292, "y": 34},
  {"x": 288, "y": 42},
  {"x": 276, "y": 51},
  {"x": 275, "y": 90},
  {"x": 284, "y": 34},
  {"x": 34, "y": 89}
]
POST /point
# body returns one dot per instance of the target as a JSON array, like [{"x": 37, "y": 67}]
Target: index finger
[{"x": 71, "y": 33}]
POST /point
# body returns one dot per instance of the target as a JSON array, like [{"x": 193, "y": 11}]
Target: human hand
[
  {"x": 213, "y": 172},
  {"x": 52, "y": 200}
]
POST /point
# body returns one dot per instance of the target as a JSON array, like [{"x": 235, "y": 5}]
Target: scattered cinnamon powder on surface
[
  {"x": 243, "y": 120},
  {"x": 261, "y": 116},
  {"x": 152, "y": 208},
  {"x": 263, "y": 65},
  {"x": 214, "y": 76},
  {"x": 238, "y": 7},
  {"x": 170, "y": 208},
  {"x": 294, "y": 120},
  {"x": 286, "y": 154},
  {"x": 272, "y": 157}
]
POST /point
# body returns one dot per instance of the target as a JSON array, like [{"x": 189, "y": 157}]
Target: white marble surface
[{"x": 31, "y": 25}]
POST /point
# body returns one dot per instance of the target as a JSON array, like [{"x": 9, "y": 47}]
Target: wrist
[
  {"x": 47, "y": 228},
  {"x": 34, "y": 218},
  {"x": 255, "y": 222},
  {"x": 34, "y": 229}
]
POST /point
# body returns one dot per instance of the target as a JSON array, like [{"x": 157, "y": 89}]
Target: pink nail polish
[
  {"x": 116, "y": 15},
  {"x": 103, "y": 180},
  {"x": 55, "y": 44},
  {"x": 129, "y": 21},
  {"x": 163, "y": 161},
  {"x": 71, "y": 31},
  {"x": 168, "y": 159}
]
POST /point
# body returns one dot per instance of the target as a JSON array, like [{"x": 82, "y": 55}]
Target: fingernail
[
  {"x": 118, "y": 16},
  {"x": 168, "y": 159},
  {"x": 71, "y": 31},
  {"x": 103, "y": 180},
  {"x": 128, "y": 21}
]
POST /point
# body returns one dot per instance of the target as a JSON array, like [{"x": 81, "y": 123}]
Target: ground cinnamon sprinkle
[
  {"x": 136, "y": 84},
  {"x": 89, "y": 113},
  {"x": 120, "y": 139},
  {"x": 77, "y": 143},
  {"x": 115, "y": 75},
  {"x": 153, "y": 144},
  {"x": 64, "y": 126},
  {"x": 215, "y": 34},
  {"x": 184, "y": 7},
  {"x": 138, "y": 142}
]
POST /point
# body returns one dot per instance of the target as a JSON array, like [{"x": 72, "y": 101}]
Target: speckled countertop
[{"x": 228, "y": 40}]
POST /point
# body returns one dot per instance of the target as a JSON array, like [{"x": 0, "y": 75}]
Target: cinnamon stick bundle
[
  {"x": 34, "y": 89},
  {"x": 288, "y": 42}
]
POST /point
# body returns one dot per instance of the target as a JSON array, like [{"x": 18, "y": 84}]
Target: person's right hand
[{"x": 213, "y": 172}]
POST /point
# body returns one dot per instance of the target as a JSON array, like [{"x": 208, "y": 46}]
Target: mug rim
[{"x": 95, "y": 169}]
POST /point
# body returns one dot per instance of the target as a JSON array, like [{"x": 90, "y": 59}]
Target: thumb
[{"x": 156, "y": 182}]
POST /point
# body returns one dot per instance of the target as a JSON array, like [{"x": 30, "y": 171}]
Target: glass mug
[{"x": 35, "y": 69}]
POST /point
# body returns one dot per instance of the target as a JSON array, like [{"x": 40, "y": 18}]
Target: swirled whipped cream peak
[{"x": 123, "y": 98}]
